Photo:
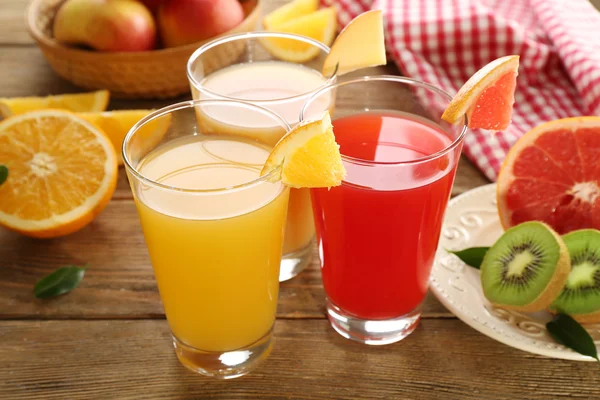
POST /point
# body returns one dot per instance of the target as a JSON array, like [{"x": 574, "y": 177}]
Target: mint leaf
[
  {"x": 61, "y": 281},
  {"x": 472, "y": 256},
  {"x": 568, "y": 332}
]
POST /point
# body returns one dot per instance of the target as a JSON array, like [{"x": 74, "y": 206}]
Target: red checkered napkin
[{"x": 444, "y": 42}]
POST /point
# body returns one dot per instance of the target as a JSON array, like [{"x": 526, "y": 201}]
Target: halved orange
[
  {"x": 308, "y": 156},
  {"x": 319, "y": 25},
  {"x": 77, "y": 102},
  {"x": 116, "y": 124},
  {"x": 551, "y": 174},
  {"x": 360, "y": 44},
  {"x": 288, "y": 12},
  {"x": 487, "y": 97},
  {"x": 62, "y": 173}
]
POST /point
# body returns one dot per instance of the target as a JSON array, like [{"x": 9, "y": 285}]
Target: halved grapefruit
[
  {"x": 487, "y": 97},
  {"x": 552, "y": 174}
]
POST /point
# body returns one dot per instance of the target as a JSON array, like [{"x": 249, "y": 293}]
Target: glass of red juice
[{"x": 378, "y": 232}]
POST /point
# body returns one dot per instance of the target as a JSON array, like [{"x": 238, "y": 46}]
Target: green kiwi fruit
[
  {"x": 580, "y": 297},
  {"x": 526, "y": 269}
]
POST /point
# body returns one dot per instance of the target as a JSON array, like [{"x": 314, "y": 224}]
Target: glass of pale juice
[
  {"x": 378, "y": 232},
  {"x": 238, "y": 67},
  {"x": 214, "y": 231}
]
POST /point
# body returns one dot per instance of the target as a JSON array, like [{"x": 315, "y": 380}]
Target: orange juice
[
  {"x": 215, "y": 253},
  {"x": 283, "y": 88}
]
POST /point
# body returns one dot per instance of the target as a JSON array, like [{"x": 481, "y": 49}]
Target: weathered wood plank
[
  {"x": 120, "y": 282},
  {"x": 442, "y": 359},
  {"x": 13, "y": 29}
]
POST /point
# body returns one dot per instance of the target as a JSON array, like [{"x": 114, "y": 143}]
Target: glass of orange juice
[
  {"x": 239, "y": 67},
  {"x": 214, "y": 230}
]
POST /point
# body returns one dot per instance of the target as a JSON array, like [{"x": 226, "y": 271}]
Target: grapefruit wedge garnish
[
  {"x": 308, "y": 156},
  {"x": 552, "y": 174},
  {"x": 360, "y": 44},
  {"x": 488, "y": 96}
]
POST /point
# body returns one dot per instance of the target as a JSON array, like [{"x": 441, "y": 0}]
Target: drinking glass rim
[
  {"x": 192, "y": 104},
  {"x": 399, "y": 79},
  {"x": 249, "y": 35}
]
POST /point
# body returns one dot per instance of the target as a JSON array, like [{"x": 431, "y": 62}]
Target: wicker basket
[{"x": 144, "y": 75}]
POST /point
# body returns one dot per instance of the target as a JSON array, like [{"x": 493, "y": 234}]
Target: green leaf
[
  {"x": 568, "y": 332},
  {"x": 3, "y": 173},
  {"x": 473, "y": 256},
  {"x": 61, "y": 281}
]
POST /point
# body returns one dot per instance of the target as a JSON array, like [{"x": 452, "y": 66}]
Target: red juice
[{"x": 378, "y": 232}]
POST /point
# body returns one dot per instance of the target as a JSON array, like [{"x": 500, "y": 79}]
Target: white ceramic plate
[{"x": 472, "y": 220}]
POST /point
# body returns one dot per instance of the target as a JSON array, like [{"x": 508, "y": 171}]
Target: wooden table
[{"x": 108, "y": 339}]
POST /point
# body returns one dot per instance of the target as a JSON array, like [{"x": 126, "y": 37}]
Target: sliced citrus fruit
[
  {"x": 63, "y": 171},
  {"x": 308, "y": 156},
  {"x": 116, "y": 124},
  {"x": 289, "y": 11},
  {"x": 552, "y": 174},
  {"x": 360, "y": 44},
  {"x": 319, "y": 25},
  {"x": 78, "y": 102},
  {"x": 488, "y": 96}
]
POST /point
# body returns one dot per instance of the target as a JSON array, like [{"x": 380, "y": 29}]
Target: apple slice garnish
[{"x": 360, "y": 44}]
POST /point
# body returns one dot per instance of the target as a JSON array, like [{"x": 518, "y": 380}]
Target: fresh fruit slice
[
  {"x": 552, "y": 174},
  {"x": 581, "y": 296},
  {"x": 488, "y": 96},
  {"x": 116, "y": 124},
  {"x": 79, "y": 102},
  {"x": 308, "y": 156},
  {"x": 360, "y": 44},
  {"x": 320, "y": 25},
  {"x": 288, "y": 12},
  {"x": 526, "y": 268},
  {"x": 63, "y": 171}
]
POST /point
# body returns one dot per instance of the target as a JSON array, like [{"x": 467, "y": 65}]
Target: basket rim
[{"x": 42, "y": 39}]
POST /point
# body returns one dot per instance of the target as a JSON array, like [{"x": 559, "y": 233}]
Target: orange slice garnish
[{"x": 308, "y": 156}]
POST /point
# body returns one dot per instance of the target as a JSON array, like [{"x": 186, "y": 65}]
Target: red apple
[
  {"x": 106, "y": 25},
  {"x": 182, "y": 22}
]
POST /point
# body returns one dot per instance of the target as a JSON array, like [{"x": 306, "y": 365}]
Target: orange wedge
[
  {"x": 62, "y": 173},
  {"x": 319, "y": 25},
  {"x": 359, "y": 45},
  {"x": 308, "y": 156},
  {"x": 80, "y": 102},
  {"x": 288, "y": 12},
  {"x": 488, "y": 96},
  {"x": 116, "y": 124}
]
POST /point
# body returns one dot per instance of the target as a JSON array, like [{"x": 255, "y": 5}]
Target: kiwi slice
[
  {"x": 580, "y": 297},
  {"x": 526, "y": 269}
]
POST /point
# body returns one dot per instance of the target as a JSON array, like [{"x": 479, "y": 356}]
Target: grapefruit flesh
[
  {"x": 487, "y": 97},
  {"x": 552, "y": 174},
  {"x": 493, "y": 109}
]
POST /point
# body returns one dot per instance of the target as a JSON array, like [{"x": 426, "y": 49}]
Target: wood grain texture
[
  {"x": 442, "y": 359},
  {"x": 13, "y": 30},
  {"x": 120, "y": 282}
]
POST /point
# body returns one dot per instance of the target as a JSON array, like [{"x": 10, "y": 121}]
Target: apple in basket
[
  {"x": 106, "y": 25},
  {"x": 187, "y": 21}
]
